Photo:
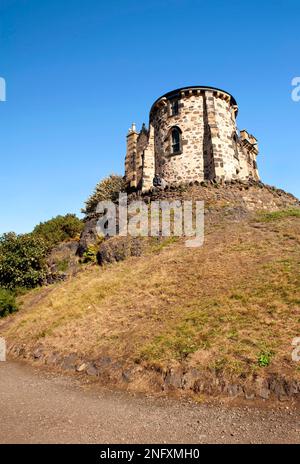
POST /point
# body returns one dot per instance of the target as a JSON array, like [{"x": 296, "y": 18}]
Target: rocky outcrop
[
  {"x": 234, "y": 198},
  {"x": 89, "y": 235},
  {"x": 120, "y": 248},
  {"x": 62, "y": 262},
  {"x": 175, "y": 378}
]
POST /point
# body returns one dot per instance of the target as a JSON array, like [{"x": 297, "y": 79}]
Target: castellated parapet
[{"x": 192, "y": 135}]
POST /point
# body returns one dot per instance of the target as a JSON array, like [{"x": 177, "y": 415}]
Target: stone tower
[{"x": 192, "y": 135}]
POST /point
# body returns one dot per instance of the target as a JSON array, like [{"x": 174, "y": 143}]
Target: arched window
[{"x": 176, "y": 140}]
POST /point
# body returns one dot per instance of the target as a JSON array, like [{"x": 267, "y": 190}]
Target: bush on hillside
[
  {"x": 8, "y": 303},
  {"x": 59, "y": 229},
  {"x": 107, "y": 189},
  {"x": 22, "y": 260}
]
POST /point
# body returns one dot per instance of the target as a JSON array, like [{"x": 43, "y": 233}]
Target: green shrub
[
  {"x": 264, "y": 358},
  {"x": 107, "y": 189},
  {"x": 8, "y": 303},
  {"x": 22, "y": 260},
  {"x": 90, "y": 254},
  {"x": 59, "y": 229}
]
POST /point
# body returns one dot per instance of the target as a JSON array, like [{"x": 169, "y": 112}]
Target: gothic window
[
  {"x": 174, "y": 107},
  {"x": 176, "y": 140}
]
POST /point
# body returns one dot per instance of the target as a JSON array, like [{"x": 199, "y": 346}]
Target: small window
[
  {"x": 235, "y": 145},
  {"x": 174, "y": 107},
  {"x": 176, "y": 140}
]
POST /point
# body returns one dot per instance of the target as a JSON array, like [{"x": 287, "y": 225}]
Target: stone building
[{"x": 192, "y": 135}]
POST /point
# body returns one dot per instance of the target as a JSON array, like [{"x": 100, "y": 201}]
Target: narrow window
[
  {"x": 235, "y": 145},
  {"x": 176, "y": 142},
  {"x": 174, "y": 107}
]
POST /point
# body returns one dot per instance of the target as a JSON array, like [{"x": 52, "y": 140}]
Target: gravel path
[{"x": 40, "y": 407}]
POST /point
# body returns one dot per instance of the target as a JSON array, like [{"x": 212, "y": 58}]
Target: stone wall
[
  {"x": 247, "y": 152},
  {"x": 148, "y": 166},
  {"x": 226, "y": 159},
  {"x": 131, "y": 158},
  {"x": 189, "y": 164},
  {"x": 240, "y": 197},
  {"x": 141, "y": 144},
  {"x": 210, "y": 146}
]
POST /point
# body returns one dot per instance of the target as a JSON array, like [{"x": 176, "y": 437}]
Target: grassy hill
[{"x": 228, "y": 310}]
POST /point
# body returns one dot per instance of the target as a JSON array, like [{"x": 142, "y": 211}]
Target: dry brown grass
[{"x": 221, "y": 306}]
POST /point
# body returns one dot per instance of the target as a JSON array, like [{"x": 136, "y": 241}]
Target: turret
[{"x": 130, "y": 160}]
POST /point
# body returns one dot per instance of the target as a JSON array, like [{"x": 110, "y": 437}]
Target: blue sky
[{"x": 79, "y": 72}]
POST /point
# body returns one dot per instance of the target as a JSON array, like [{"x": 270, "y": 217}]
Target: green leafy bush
[
  {"x": 8, "y": 303},
  {"x": 264, "y": 358},
  {"x": 90, "y": 254},
  {"x": 59, "y": 229},
  {"x": 106, "y": 189},
  {"x": 22, "y": 260}
]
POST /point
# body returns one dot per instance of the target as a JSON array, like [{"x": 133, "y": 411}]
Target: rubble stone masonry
[{"x": 192, "y": 136}]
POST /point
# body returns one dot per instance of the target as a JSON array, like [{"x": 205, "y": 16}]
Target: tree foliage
[
  {"x": 22, "y": 260},
  {"x": 59, "y": 229},
  {"x": 8, "y": 303},
  {"x": 107, "y": 189},
  {"x": 23, "y": 257}
]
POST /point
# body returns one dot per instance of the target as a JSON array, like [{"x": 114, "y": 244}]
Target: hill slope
[{"x": 220, "y": 318}]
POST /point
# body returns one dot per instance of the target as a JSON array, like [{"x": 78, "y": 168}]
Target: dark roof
[{"x": 175, "y": 93}]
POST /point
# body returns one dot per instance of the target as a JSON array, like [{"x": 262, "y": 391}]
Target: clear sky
[{"x": 79, "y": 72}]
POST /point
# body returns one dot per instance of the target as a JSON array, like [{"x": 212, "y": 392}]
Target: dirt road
[{"x": 38, "y": 407}]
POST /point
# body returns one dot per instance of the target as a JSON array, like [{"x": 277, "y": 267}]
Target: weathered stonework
[{"x": 208, "y": 144}]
